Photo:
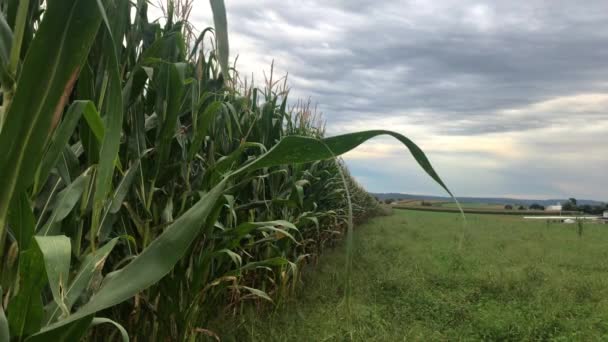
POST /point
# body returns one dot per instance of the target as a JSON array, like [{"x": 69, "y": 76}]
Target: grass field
[{"x": 513, "y": 280}]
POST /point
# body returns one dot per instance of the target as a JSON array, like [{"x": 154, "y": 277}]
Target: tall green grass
[
  {"x": 143, "y": 185},
  {"x": 516, "y": 280}
]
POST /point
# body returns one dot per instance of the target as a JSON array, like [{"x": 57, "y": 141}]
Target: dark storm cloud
[{"x": 456, "y": 61}]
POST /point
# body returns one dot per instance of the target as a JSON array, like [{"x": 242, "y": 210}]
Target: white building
[{"x": 557, "y": 207}]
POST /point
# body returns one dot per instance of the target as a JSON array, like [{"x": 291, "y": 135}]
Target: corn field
[{"x": 144, "y": 186}]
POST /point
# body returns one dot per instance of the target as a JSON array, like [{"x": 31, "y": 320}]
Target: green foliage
[
  {"x": 517, "y": 281},
  {"x": 138, "y": 180}
]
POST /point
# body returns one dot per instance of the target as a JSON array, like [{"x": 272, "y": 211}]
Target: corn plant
[{"x": 142, "y": 186}]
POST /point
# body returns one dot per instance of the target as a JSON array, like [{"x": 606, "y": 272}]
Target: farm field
[
  {"x": 512, "y": 280},
  {"x": 154, "y": 189},
  {"x": 473, "y": 205},
  {"x": 469, "y": 207}
]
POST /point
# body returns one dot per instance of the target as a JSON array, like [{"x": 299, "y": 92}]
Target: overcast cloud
[{"x": 507, "y": 98}]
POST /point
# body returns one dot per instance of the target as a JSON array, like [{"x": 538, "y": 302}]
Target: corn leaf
[
  {"x": 74, "y": 331},
  {"x": 121, "y": 329},
  {"x": 6, "y": 40},
  {"x": 256, "y": 292},
  {"x": 298, "y": 149},
  {"x": 4, "y": 331},
  {"x": 50, "y": 69},
  {"x": 122, "y": 188},
  {"x": 22, "y": 221},
  {"x": 60, "y": 140},
  {"x": 221, "y": 34},
  {"x": 113, "y": 109},
  {"x": 152, "y": 264},
  {"x": 65, "y": 201},
  {"x": 278, "y": 261},
  {"x": 204, "y": 120},
  {"x": 90, "y": 266},
  {"x": 56, "y": 252},
  {"x": 95, "y": 123},
  {"x": 173, "y": 96},
  {"x": 25, "y": 309}
]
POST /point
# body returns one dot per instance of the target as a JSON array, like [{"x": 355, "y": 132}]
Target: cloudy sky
[{"x": 507, "y": 98}]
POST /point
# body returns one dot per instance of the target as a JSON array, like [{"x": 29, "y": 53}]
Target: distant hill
[{"x": 490, "y": 200}]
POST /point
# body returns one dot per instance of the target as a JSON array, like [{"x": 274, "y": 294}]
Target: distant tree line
[
  {"x": 572, "y": 205},
  {"x": 522, "y": 207}
]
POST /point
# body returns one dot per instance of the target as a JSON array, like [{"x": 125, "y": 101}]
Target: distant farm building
[{"x": 557, "y": 207}]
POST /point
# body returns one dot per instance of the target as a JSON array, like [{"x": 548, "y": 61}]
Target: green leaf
[
  {"x": 25, "y": 309},
  {"x": 173, "y": 97},
  {"x": 74, "y": 331},
  {"x": 298, "y": 149},
  {"x": 280, "y": 232},
  {"x": 22, "y": 221},
  {"x": 203, "y": 122},
  {"x": 56, "y": 251},
  {"x": 121, "y": 329},
  {"x": 221, "y": 34},
  {"x": 245, "y": 228},
  {"x": 113, "y": 109},
  {"x": 123, "y": 187},
  {"x": 95, "y": 123},
  {"x": 272, "y": 262},
  {"x": 256, "y": 292},
  {"x": 66, "y": 201},
  {"x": 236, "y": 259},
  {"x": 68, "y": 166},
  {"x": 60, "y": 140},
  {"x": 152, "y": 264},
  {"x": 4, "y": 331},
  {"x": 90, "y": 267},
  {"x": 6, "y": 40},
  {"x": 19, "y": 28},
  {"x": 50, "y": 69},
  {"x": 224, "y": 165}
]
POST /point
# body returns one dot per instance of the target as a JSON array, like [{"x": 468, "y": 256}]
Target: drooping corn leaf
[
  {"x": 298, "y": 149},
  {"x": 101, "y": 320},
  {"x": 73, "y": 331},
  {"x": 256, "y": 293}
]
